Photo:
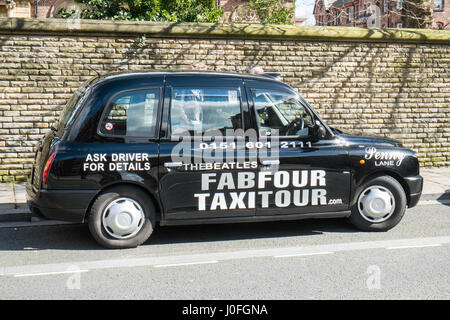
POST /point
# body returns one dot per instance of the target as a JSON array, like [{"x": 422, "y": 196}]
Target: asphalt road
[{"x": 309, "y": 259}]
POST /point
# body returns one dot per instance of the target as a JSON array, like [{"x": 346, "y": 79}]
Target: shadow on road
[
  {"x": 445, "y": 198},
  {"x": 77, "y": 237}
]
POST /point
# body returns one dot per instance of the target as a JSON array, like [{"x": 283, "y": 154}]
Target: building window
[
  {"x": 386, "y": 6},
  {"x": 399, "y": 4},
  {"x": 440, "y": 25},
  {"x": 399, "y": 25},
  {"x": 438, "y": 5}
]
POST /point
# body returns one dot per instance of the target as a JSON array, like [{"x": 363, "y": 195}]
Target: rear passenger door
[
  {"x": 205, "y": 172},
  {"x": 121, "y": 143}
]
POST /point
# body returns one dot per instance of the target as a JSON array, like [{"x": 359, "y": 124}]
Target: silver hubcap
[
  {"x": 123, "y": 218},
  {"x": 376, "y": 204}
]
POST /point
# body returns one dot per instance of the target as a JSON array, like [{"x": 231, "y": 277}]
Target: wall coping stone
[{"x": 218, "y": 31}]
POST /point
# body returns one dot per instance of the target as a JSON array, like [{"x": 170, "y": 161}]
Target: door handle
[
  {"x": 270, "y": 162},
  {"x": 173, "y": 164}
]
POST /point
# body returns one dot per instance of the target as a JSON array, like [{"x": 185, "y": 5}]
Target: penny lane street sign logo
[{"x": 384, "y": 158}]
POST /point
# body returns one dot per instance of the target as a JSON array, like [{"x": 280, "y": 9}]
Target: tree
[
  {"x": 148, "y": 10},
  {"x": 418, "y": 13},
  {"x": 272, "y": 11},
  {"x": 371, "y": 13},
  {"x": 261, "y": 11}
]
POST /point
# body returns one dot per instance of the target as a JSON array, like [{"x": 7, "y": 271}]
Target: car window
[
  {"x": 132, "y": 114},
  {"x": 282, "y": 114},
  {"x": 205, "y": 109},
  {"x": 71, "y": 107}
]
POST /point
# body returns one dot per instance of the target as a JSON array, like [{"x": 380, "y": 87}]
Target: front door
[{"x": 306, "y": 175}]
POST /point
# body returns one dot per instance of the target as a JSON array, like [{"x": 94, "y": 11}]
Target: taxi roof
[{"x": 133, "y": 74}]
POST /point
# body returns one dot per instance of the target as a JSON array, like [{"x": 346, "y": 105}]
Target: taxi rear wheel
[
  {"x": 122, "y": 217},
  {"x": 380, "y": 204}
]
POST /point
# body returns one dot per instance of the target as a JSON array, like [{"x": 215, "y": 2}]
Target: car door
[
  {"x": 304, "y": 174},
  {"x": 205, "y": 170}
]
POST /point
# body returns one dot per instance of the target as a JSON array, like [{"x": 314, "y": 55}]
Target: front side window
[
  {"x": 132, "y": 114},
  {"x": 203, "y": 110},
  {"x": 281, "y": 114}
]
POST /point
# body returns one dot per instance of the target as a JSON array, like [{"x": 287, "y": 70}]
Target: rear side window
[
  {"x": 70, "y": 108},
  {"x": 132, "y": 114},
  {"x": 205, "y": 109}
]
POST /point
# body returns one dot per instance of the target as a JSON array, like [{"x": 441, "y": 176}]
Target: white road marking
[
  {"x": 303, "y": 254},
  {"x": 47, "y": 273},
  {"x": 184, "y": 264},
  {"x": 411, "y": 247},
  {"x": 222, "y": 256}
]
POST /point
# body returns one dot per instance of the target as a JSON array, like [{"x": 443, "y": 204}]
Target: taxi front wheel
[
  {"x": 122, "y": 217},
  {"x": 380, "y": 204}
]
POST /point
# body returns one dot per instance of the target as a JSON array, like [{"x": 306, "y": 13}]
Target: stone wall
[{"x": 392, "y": 83}]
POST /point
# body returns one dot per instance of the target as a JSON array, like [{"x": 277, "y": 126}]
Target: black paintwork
[{"x": 70, "y": 191}]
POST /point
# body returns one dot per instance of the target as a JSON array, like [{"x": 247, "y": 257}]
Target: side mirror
[{"x": 319, "y": 131}]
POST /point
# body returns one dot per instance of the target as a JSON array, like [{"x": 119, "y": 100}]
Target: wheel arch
[
  {"x": 373, "y": 175},
  {"x": 151, "y": 195}
]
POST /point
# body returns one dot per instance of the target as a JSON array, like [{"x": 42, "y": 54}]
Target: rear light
[{"x": 47, "y": 167}]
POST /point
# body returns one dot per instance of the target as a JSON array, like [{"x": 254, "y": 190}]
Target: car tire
[
  {"x": 372, "y": 203},
  {"x": 121, "y": 207}
]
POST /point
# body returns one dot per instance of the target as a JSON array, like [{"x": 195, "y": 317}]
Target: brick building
[
  {"x": 33, "y": 8},
  {"x": 229, "y": 6},
  {"x": 372, "y": 13},
  {"x": 442, "y": 13},
  {"x": 17, "y": 8}
]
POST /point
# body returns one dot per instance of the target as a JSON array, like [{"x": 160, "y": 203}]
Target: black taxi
[{"x": 134, "y": 150}]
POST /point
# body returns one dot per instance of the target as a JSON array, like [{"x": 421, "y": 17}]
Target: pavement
[
  {"x": 13, "y": 207},
  {"x": 13, "y": 203}
]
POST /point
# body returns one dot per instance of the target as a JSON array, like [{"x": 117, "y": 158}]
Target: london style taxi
[{"x": 134, "y": 150}]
